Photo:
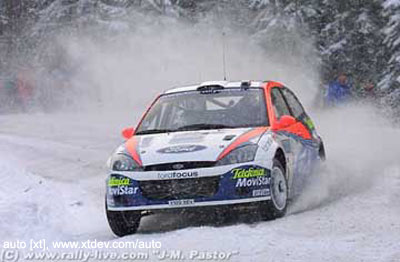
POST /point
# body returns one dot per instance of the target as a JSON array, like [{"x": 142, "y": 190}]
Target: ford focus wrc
[{"x": 216, "y": 144}]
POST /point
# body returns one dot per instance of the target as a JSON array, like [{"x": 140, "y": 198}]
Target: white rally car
[{"x": 217, "y": 144}]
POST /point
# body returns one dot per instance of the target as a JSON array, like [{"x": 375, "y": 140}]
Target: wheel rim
[{"x": 278, "y": 188}]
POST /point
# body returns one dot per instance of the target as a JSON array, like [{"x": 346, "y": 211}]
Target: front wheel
[
  {"x": 123, "y": 223},
  {"x": 277, "y": 206}
]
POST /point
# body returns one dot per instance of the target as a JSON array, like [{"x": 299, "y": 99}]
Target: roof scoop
[
  {"x": 245, "y": 85},
  {"x": 210, "y": 88}
]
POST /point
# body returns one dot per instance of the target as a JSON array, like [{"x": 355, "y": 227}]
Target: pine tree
[
  {"x": 390, "y": 83},
  {"x": 392, "y": 41},
  {"x": 364, "y": 52}
]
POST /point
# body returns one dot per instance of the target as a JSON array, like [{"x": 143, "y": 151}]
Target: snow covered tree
[
  {"x": 350, "y": 39},
  {"x": 392, "y": 41},
  {"x": 390, "y": 84}
]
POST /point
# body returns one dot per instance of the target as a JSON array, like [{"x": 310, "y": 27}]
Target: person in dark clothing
[
  {"x": 338, "y": 92},
  {"x": 25, "y": 89},
  {"x": 369, "y": 91}
]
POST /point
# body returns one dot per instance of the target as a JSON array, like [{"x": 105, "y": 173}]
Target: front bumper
[{"x": 214, "y": 186}]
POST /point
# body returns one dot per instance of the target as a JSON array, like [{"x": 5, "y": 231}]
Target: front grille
[
  {"x": 179, "y": 166},
  {"x": 180, "y": 188}
]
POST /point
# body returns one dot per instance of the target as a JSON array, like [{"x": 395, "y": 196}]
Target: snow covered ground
[{"x": 52, "y": 186}]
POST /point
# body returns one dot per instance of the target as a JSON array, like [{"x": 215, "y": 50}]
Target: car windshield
[{"x": 197, "y": 110}]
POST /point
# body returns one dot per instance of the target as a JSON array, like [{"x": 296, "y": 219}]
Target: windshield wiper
[
  {"x": 203, "y": 126},
  {"x": 154, "y": 131}
]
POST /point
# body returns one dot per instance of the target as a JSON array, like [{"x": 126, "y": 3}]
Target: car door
[
  {"x": 306, "y": 138},
  {"x": 286, "y": 137}
]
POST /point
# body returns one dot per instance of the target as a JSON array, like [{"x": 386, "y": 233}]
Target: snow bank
[
  {"x": 25, "y": 203},
  {"x": 32, "y": 207}
]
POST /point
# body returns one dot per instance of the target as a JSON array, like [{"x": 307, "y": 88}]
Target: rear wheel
[
  {"x": 123, "y": 223},
  {"x": 277, "y": 206}
]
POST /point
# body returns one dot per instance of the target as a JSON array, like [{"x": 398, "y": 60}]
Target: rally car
[{"x": 216, "y": 144}]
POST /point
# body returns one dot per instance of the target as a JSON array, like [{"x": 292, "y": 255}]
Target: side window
[
  {"x": 294, "y": 104},
  {"x": 279, "y": 103}
]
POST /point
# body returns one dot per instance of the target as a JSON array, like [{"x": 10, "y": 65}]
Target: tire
[
  {"x": 277, "y": 206},
  {"x": 123, "y": 223}
]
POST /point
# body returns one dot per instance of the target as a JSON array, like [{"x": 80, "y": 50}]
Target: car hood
[{"x": 205, "y": 145}]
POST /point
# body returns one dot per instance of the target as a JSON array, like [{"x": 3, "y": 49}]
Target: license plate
[
  {"x": 261, "y": 192},
  {"x": 181, "y": 202}
]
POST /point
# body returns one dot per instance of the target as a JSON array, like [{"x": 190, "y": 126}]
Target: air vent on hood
[{"x": 229, "y": 137}]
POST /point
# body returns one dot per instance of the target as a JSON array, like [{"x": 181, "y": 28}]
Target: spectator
[
  {"x": 369, "y": 91},
  {"x": 338, "y": 91},
  {"x": 25, "y": 89}
]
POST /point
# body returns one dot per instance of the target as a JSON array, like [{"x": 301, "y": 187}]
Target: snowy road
[{"x": 52, "y": 186}]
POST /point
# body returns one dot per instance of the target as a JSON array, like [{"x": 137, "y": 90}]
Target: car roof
[{"x": 225, "y": 84}]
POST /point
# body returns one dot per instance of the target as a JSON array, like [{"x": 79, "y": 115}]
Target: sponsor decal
[
  {"x": 247, "y": 173},
  {"x": 114, "y": 181},
  {"x": 181, "y": 149},
  {"x": 309, "y": 123},
  {"x": 181, "y": 202},
  {"x": 261, "y": 192},
  {"x": 120, "y": 186},
  {"x": 123, "y": 190},
  {"x": 178, "y": 174},
  {"x": 252, "y": 182}
]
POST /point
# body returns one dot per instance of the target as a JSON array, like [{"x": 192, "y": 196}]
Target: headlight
[
  {"x": 121, "y": 162},
  {"x": 242, "y": 154}
]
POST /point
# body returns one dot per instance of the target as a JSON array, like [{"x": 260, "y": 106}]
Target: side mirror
[
  {"x": 128, "y": 132},
  {"x": 284, "y": 122}
]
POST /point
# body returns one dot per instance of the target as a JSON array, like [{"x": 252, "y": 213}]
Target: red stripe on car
[
  {"x": 242, "y": 139},
  {"x": 131, "y": 147}
]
